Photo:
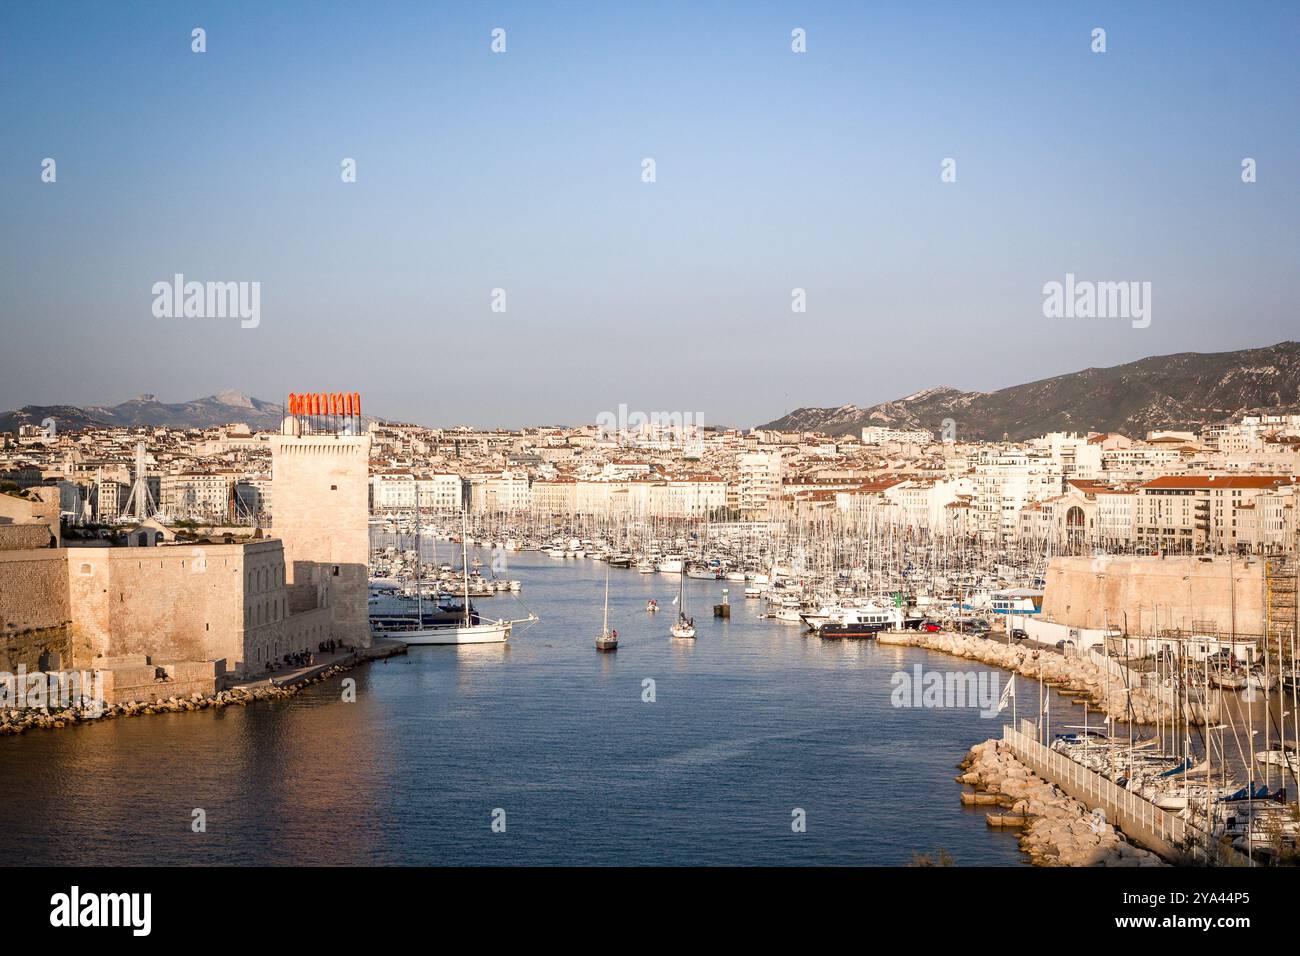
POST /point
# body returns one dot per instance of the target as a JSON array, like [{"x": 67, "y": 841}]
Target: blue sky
[{"x": 522, "y": 171}]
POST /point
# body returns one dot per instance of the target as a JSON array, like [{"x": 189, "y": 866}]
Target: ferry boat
[
  {"x": 817, "y": 616},
  {"x": 1017, "y": 601},
  {"x": 862, "y": 622}
]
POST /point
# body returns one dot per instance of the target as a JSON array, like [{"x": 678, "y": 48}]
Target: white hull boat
[
  {"x": 1278, "y": 758},
  {"x": 787, "y": 615},
  {"x": 684, "y": 626},
  {"x": 495, "y": 632}
]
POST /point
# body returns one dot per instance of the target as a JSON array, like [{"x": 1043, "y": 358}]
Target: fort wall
[
  {"x": 34, "y": 606},
  {"x": 322, "y": 490},
  {"x": 1148, "y": 594}
]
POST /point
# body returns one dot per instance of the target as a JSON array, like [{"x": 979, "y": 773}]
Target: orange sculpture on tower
[{"x": 320, "y": 404}]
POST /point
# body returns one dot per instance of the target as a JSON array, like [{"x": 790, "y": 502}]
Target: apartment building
[
  {"x": 880, "y": 435},
  {"x": 1216, "y": 513},
  {"x": 1005, "y": 480},
  {"x": 759, "y": 478},
  {"x": 197, "y": 495}
]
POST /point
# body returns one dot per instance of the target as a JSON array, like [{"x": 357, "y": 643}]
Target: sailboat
[
  {"x": 470, "y": 630},
  {"x": 685, "y": 626},
  {"x": 608, "y": 640}
]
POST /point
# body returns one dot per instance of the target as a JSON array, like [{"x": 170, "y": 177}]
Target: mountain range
[
  {"x": 1182, "y": 391},
  {"x": 223, "y": 408}
]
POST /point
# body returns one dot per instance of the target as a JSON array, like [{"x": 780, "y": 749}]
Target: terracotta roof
[{"x": 1218, "y": 481}]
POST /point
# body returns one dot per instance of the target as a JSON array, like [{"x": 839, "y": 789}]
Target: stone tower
[{"x": 320, "y": 505}]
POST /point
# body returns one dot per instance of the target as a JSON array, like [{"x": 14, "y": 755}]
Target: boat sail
[
  {"x": 608, "y": 640},
  {"x": 685, "y": 626}
]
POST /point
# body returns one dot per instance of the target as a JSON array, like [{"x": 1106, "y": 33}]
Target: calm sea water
[{"x": 751, "y": 720}]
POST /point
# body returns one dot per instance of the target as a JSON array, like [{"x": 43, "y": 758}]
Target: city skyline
[{"x": 523, "y": 171}]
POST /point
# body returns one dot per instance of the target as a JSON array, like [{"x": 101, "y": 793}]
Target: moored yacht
[
  {"x": 608, "y": 640},
  {"x": 672, "y": 564},
  {"x": 469, "y": 629},
  {"x": 862, "y": 622},
  {"x": 685, "y": 626}
]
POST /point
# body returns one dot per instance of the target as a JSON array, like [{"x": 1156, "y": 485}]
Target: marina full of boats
[
  {"x": 1232, "y": 776},
  {"x": 1257, "y": 817},
  {"x": 407, "y": 606},
  {"x": 852, "y": 602}
]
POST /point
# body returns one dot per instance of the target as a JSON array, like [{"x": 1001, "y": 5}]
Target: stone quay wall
[
  {"x": 1145, "y": 595},
  {"x": 34, "y": 606}
]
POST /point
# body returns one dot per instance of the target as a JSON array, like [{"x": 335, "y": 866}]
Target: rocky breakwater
[
  {"x": 20, "y": 721},
  {"x": 1057, "y": 830},
  {"x": 1073, "y": 675}
]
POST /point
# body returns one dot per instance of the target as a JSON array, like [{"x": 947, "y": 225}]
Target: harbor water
[{"x": 749, "y": 724}]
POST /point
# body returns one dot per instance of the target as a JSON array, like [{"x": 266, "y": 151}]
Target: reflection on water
[{"x": 750, "y": 721}]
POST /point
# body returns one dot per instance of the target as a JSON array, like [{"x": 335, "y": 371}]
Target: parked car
[
  {"x": 1019, "y": 634},
  {"x": 931, "y": 626},
  {"x": 1062, "y": 645}
]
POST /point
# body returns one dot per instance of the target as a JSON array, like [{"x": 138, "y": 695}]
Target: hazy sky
[{"x": 523, "y": 171}]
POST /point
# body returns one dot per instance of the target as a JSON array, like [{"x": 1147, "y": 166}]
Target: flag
[
  {"x": 1007, "y": 693},
  {"x": 674, "y": 602}
]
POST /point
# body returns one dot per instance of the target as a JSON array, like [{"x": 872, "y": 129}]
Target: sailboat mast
[
  {"x": 604, "y": 628},
  {"x": 464, "y": 563},
  {"x": 419, "y": 588}
]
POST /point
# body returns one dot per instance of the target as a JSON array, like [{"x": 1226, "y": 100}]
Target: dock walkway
[
  {"x": 382, "y": 647},
  {"x": 1141, "y": 820}
]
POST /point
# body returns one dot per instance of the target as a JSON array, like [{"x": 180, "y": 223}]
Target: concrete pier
[
  {"x": 1075, "y": 676},
  {"x": 1138, "y": 818}
]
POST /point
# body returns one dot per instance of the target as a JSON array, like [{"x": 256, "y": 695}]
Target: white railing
[{"x": 1133, "y": 813}]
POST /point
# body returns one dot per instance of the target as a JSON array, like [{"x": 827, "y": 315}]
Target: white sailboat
[
  {"x": 471, "y": 630},
  {"x": 685, "y": 626},
  {"x": 608, "y": 640}
]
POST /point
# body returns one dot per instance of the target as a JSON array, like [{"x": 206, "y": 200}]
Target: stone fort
[{"x": 195, "y": 614}]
